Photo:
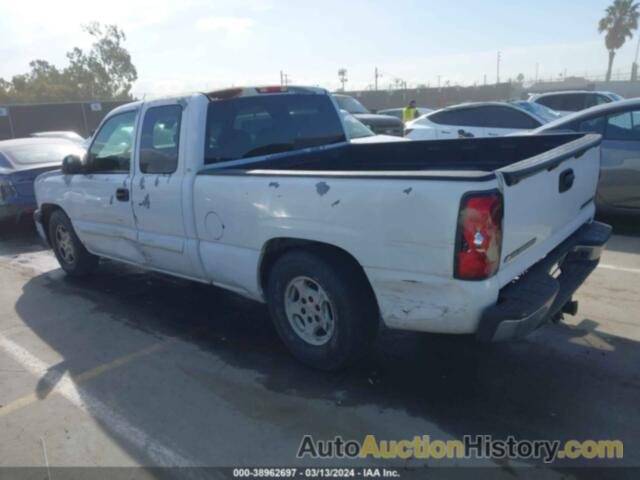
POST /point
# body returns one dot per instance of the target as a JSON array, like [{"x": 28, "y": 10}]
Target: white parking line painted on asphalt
[
  {"x": 160, "y": 454},
  {"x": 621, "y": 269}
]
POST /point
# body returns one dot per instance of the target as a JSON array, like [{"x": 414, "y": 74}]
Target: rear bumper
[{"x": 538, "y": 295}]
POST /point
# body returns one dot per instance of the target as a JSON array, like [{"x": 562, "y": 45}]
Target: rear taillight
[{"x": 479, "y": 236}]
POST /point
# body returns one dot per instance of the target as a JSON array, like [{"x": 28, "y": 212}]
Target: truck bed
[{"x": 462, "y": 159}]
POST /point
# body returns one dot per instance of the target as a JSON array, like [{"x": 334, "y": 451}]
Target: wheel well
[
  {"x": 277, "y": 247},
  {"x": 47, "y": 209}
]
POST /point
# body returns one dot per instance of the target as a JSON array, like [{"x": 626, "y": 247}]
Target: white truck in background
[{"x": 259, "y": 191}]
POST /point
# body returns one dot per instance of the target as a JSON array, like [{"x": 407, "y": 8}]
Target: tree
[
  {"x": 619, "y": 23},
  {"x": 105, "y": 72}
]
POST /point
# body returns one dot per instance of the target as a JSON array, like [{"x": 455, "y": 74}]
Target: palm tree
[{"x": 619, "y": 23}]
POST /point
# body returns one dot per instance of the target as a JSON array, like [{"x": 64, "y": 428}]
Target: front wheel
[
  {"x": 71, "y": 254},
  {"x": 323, "y": 310}
]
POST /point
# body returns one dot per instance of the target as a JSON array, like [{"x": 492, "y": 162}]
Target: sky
[{"x": 194, "y": 45}]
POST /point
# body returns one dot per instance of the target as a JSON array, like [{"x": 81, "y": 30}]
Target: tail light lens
[{"x": 479, "y": 236}]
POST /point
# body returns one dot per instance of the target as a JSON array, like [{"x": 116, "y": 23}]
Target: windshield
[
  {"x": 350, "y": 104},
  {"x": 38, "y": 154},
  {"x": 355, "y": 128},
  {"x": 542, "y": 113},
  {"x": 615, "y": 97}
]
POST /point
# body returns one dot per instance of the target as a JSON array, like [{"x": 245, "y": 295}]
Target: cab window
[
  {"x": 160, "y": 138},
  {"x": 262, "y": 125},
  {"x": 111, "y": 149}
]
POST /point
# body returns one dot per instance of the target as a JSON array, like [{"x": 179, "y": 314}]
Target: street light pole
[{"x": 634, "y": 66}]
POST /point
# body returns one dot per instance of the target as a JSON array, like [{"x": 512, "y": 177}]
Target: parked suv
[{"x": 573, "y": 101}]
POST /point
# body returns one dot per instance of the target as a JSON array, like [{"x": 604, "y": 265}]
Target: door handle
[
  {"x": 566, "y": 180},
  {"x": 462, "y": 133},
  {"x": 122, "y": 194}
]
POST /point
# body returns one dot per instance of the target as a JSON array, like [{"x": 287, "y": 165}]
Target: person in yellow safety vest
[{"x": 410, "y": 113}]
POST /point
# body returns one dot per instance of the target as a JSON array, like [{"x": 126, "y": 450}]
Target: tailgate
[{"x": 546, "y": 198}]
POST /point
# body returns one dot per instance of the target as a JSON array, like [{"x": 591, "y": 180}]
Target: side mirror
[{"x": 73, "y": 164}]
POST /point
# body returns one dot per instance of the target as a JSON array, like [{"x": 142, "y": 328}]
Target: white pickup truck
[{"x": 259, "y": 191}]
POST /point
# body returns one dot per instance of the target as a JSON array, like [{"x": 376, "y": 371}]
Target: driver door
[{"x": 101, "y": 199}]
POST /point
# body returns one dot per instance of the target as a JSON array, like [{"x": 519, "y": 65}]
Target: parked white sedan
[{"x": 468, "y": 120}]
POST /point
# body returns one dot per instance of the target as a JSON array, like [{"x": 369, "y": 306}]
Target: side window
[
  {"x": 469, "y": 117},
  {"x": 472, "y": 117},
  {"x": 110, "y": 151},
  {"x": 262, "y": 125},
  {"x": 160, "y": 138},
  {"x": 623, "y": 126},
  {"x": 575, "y": 102},
  {"x": 441, "y": 118},
  {"x": 596, "y": 99},
  {"x": 594, "y": 125},
  {"x": 554, "y": 102},
  {"x": 502, "y": 117}
]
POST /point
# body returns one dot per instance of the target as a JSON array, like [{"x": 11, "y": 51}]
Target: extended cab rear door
[
  {"x": 546, "y": 198},
  {"x": 157, "y": 188}
]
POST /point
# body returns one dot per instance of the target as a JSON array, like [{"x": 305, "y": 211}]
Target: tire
[
  {"x": 327, "y": 328},
  {"x": 74, "y": 259}
]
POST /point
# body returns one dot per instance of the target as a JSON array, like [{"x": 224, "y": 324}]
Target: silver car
[
  {"x": 619, "y": 125},
  {"x": 573, "y": 100}
]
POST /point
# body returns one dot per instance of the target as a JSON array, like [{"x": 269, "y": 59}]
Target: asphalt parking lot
[{"x": 132, "y": 368}]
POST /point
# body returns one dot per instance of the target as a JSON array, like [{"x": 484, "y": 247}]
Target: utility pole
[
  {"x": 634, "y": 66},
  {"x": 342, "y": 74},
  {"x": 285, "y": 79},
  {"x": 376, "y": 76},
  {"x": 438, "y": 82},
  {"x": 498, "y": 68},
  {"x": 537, "y": 68}
]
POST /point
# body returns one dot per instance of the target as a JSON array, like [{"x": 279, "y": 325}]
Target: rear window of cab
[{"x": 259, "y": 125}]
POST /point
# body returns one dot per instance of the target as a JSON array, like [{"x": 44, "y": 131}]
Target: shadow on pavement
[
  {"x": 561, "y": 383},
  {"x": 19, "y": 237}
]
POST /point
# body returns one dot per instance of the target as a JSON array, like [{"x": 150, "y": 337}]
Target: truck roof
[
  {"x": 227, "y": 93},
  {"x": 236, "y": 92}
]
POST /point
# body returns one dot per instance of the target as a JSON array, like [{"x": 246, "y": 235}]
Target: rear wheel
[
  {"x": 323, "y": 309},
  {"x": 71, "y": 254}
]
